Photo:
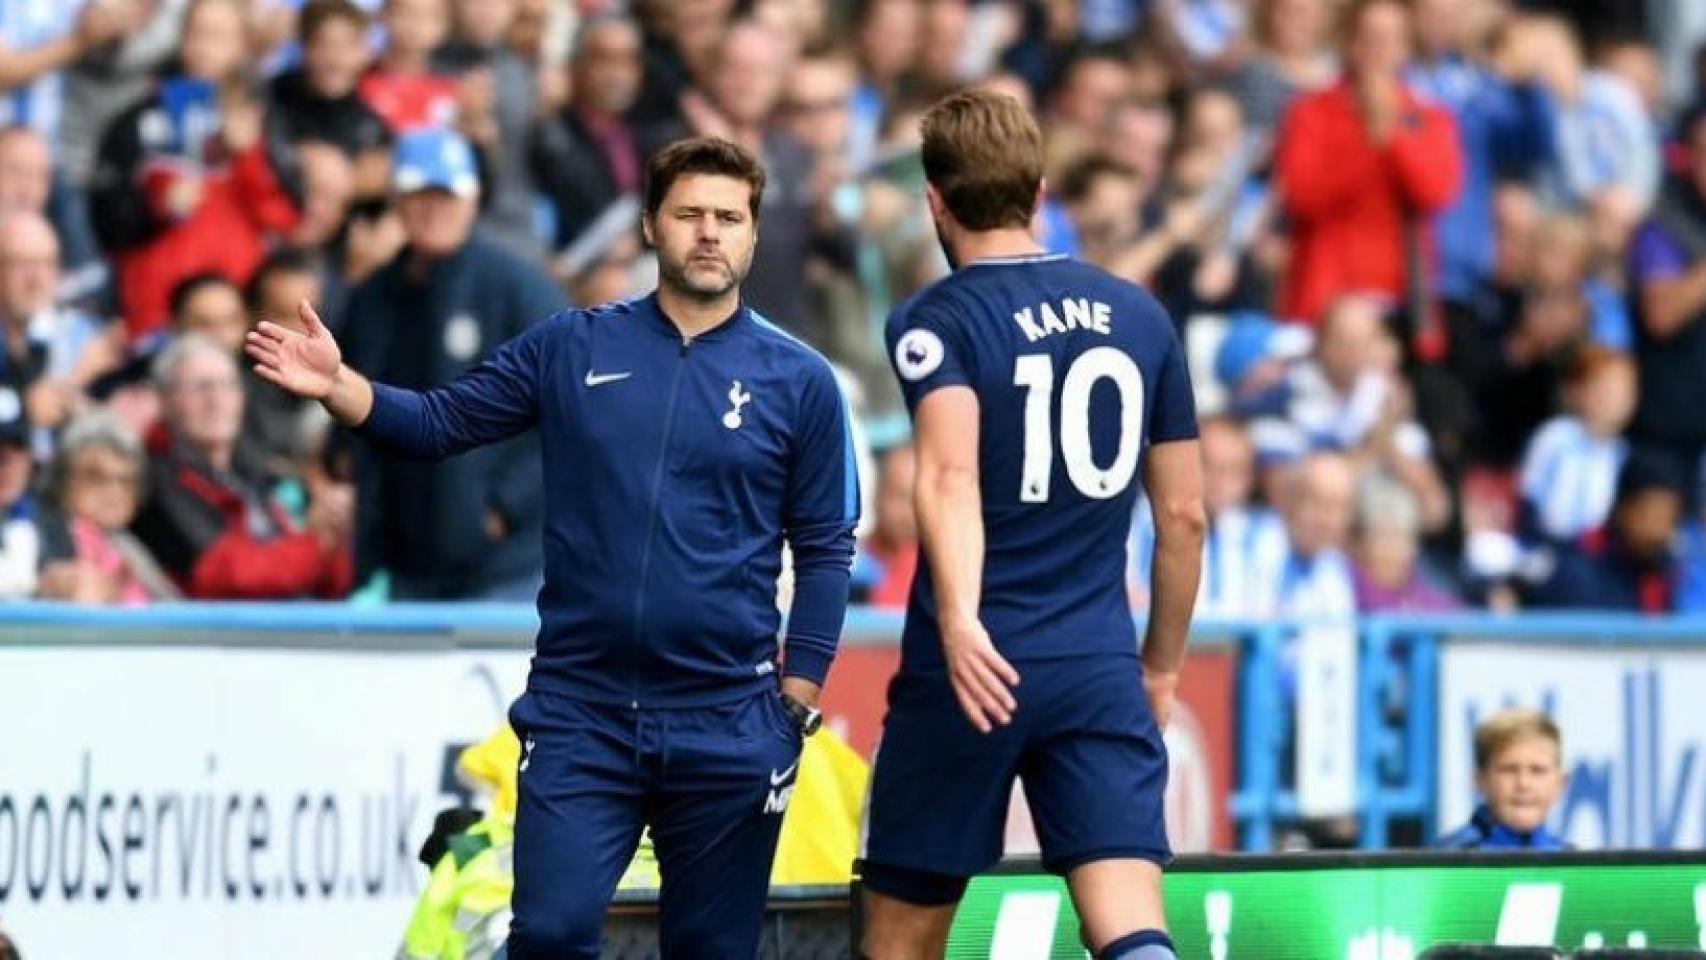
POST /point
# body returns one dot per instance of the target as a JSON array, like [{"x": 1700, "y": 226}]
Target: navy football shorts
[{"x": 1083, "y": 742}]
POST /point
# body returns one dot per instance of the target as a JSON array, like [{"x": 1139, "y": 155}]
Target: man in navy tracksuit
[{"x": 683, "y": 439}]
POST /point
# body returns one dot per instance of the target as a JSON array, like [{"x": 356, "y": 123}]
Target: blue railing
[{"x": 1397, "y": 707}]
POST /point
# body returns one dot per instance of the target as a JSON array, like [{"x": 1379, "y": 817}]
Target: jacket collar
[{"x": 661, "y": 322}]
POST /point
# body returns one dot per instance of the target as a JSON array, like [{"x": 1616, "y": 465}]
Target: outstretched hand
[{"x": 304, "y": 362}]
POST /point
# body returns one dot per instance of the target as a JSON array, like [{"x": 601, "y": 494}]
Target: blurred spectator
[
  {"x": 39, "y": 38},
  {"x": 1691, "y": 553},
  {"x": 1245, "y": 544},
  {"x": 1626, "y": 565},
  {"x": 1667, "y": 276},
  {"x": 499, "y": 97},
  {"x": 211, "y": 306},
  {"x": 95, "y": 485},
  {"x": 1200, "y": 257},
  {"x": 744, "y": 86},
  {"x": 1104, "y": 200},
  {"x": 1139, "y": 135},
  {"x": 816, "y": 111},
  {"x": 110, "y": 77},
  {"x": 468, "y": 527},
  {"x": 1605, "y": 159},
  {"x": 1093, "y": 80},
  {"x": 1352, "y": 399},
  {"x": 1569, "y": 474},
  {"x": 1513, "y": 369},
  {"x": 1389, "y": 575},
  {"x": 27, "y": 185},
  {"x": 184, "y": 183},
  {"x": 51, "y": 354},
  {"x": 1519, "y": 773},
  {"x": 589, "y": 155},
  {"x": 272, "y": 417},
  {"x": 402, "y": 86},
  {"x": 893, "y": 543},
  {"x": 1360, "y": 169},
  {"x": 327, "y": 190},
  {"x": 1315, "y": 578},
  {"x": 1293, "y": 56},
  {"x": 885, "y": 35},
  {"x": 8, "y": 949},
  {"x": 1503, "y": 128},
  {"x": 20, "y": 533},
  {"x": 1254, "y": 364},
  {"x": 318, "y": 102},
  {"x": 208, "y": 517}
]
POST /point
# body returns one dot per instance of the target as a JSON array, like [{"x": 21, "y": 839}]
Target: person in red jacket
[
  {"x": 1360, "y": 164},
  {"x": 183, "y": 183},
  {"x": 208, "y": 518}
]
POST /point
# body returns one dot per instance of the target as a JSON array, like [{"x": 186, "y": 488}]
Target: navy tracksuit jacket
[{"x": 673, "y": 471}]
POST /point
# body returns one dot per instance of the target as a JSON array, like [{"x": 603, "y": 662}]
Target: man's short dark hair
[
  {"x": 195, "y": 283},
  {"x": 705, "y": 155},
  {"x": 317, "y": 13},
  {"x": 282, "y": 260},
  {"x": 983, "y": 153},
  {"x": 1080, "y": 178}
]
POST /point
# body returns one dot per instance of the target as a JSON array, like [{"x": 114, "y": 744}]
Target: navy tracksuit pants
[{"x": 711, "y": 782}]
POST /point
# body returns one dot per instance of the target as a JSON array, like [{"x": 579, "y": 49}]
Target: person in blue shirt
[
  {"x": 684, "y": 440},
  {"x": 1519, "y": 773},
  {"x": 1039, "y": 387}
]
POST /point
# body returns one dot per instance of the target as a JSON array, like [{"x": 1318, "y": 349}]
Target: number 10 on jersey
[{"x": 1035, "y": 372}]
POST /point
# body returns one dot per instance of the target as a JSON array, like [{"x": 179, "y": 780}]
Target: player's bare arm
[
  {"x": 308, "y": 363},
  {"x": 950, "y": 525},
  {"x": 1173, "y": 476}
]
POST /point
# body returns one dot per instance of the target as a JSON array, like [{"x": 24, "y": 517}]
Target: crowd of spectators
[{"x": 1439, "y": 267}]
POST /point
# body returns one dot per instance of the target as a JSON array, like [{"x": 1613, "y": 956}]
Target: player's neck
[
  {"x": 972, "y": 246},
  {"x": 693, "y": 315}
]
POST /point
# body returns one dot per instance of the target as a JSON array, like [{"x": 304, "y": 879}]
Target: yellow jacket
[{"x": 464, "y": 912}]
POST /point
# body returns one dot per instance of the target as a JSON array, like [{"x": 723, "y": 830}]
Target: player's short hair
[
  {"x": 704, "y": 155},
  {"x": 318, "y": 13},
  {"x": 984, "y": 155},
  {"x": 1509, "y": 726}
]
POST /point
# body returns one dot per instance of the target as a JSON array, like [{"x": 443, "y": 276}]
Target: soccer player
[
  {"x": 684, "y": 439},
  {"x": 1039, "y": 386}
]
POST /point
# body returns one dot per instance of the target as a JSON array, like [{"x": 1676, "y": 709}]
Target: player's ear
[
  {"x": 934, "y": 200},
  {"x": 1037, "y": 201},
  {"x": 646, "y": 226}
]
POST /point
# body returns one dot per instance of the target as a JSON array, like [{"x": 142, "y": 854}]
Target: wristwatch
[{"x": 807, "y": 719}]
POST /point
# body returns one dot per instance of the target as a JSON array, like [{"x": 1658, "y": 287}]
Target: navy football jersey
[{"x": 1076, "y": 372}]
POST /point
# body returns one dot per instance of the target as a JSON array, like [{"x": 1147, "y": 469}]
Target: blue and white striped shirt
[
  {"x": 1569, "y": 477},
  {"x": 24, "y": 25}
]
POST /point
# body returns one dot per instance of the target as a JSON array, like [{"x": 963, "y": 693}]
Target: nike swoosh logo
[
  {"x": 776, "y": 779},
  {"x": 595, "y": 379}
]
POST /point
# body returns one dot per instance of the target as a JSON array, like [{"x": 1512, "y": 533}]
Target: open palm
[{"x": 304, "y": 362}]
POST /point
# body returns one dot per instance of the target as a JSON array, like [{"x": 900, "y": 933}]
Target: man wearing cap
[{"x": 468, "y": 527}]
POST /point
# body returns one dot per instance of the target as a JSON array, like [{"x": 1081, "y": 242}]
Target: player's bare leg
[
  {"x": 1115, "y": 899},
  {"x": 897, "y": 930}
]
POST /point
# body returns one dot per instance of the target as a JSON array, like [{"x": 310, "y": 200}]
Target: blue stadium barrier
[{"x": 1397, "y": 706}]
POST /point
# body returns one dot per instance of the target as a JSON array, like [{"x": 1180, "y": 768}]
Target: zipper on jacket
[{"x": 652, "y": 520}]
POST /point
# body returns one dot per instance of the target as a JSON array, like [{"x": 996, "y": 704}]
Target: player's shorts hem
[
  {"x": 1067, "y": 863},
  {"x": 920, "y": 888}
]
